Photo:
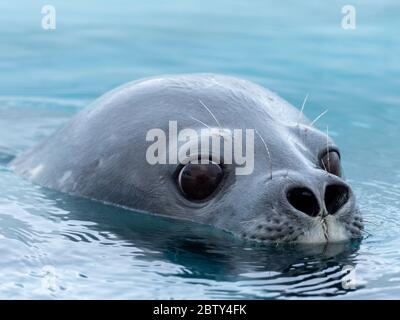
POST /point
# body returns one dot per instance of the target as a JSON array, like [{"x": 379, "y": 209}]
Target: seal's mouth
[
  {"x": 326, "y": 228},
  {"x": 323, "y": 228}
]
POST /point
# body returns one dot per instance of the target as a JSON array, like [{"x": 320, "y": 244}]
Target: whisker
[
  {"x": 302, "y": 108},
  {"x": 302, "y": 148},
  {"x": 267, "y": 149},
  {"x": 319, "y": 117},
  {"x": 314, "y": 158},
  {"x": 201, "y": 122},
  {"x": 323, "y": 164},
  {"x": 327, "y": 147},
  {"x": 366, "y": 232},
  {"x": 209, "y": 111},
  {"x": 221, "y": 130},
  {"x": 370, "y": 222}
]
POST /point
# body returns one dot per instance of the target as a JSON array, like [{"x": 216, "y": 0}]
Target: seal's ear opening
[{"x": 304, "y": 200}]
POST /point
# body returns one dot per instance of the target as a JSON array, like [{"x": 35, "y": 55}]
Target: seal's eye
[
  {"x": 330, "y": 162},
  {"x": 198, "y": 181}
]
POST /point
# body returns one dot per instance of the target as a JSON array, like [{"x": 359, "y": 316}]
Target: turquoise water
[{"x": 57, "y": 246}]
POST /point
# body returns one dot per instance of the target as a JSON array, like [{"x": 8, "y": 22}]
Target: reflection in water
[{"x": 205, "y": 253}]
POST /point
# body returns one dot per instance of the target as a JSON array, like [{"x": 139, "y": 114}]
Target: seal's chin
[{"x": 327, "y": 229}]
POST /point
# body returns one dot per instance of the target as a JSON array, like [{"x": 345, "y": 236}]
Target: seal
[{"x": 294, "y": 192}]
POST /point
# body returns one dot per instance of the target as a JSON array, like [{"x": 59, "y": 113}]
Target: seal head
[{"x": 294, "y": 192}]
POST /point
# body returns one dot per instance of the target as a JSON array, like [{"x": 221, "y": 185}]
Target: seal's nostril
[
  {"x": 304, "y": 200},
  {"x": 335, "y": 197}
]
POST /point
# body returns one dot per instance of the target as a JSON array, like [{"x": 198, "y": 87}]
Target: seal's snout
[
  {"x": 305, "y": 201},
  {"x": 325, "y": 212}
]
